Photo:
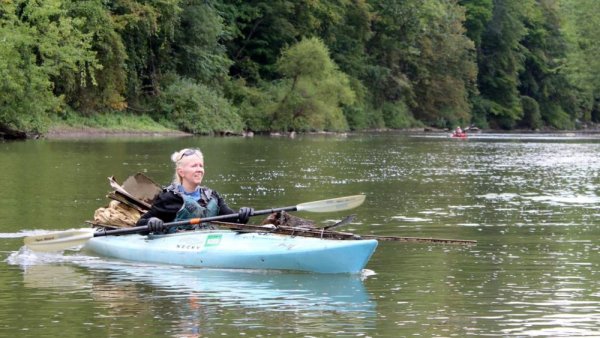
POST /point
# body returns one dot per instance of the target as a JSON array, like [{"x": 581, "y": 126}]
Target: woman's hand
[
  {"x": 244, "y": 214},
  {"x": 156, "y": 225}
]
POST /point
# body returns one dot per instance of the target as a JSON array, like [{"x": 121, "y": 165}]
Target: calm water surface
[{"x": 531, "y": 202}]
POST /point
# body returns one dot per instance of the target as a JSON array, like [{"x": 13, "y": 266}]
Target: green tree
[
  {"x": 541, "y": 79},
  {"x": 40, "y": 44},
  {"x": 500, "y": 61},
  {"x": 532, "y": 118},
  {"x": 420, "y": 58},
  {"x": 447, "y": 70},
  {"x": 198, "y": 47},
  {"x": 196, "y": 108},
  {"x": 478, "y": 15},
  {"x": 108, "y": 88},
  {"x": 581, "y": 28},
  {"x": 392, "y": 55},
  {"x": 260, "y": 29},
  {"x": 147, "y": 29},
  {"x": 313, "y": 90},
  {"x": 345, "y": 27}
]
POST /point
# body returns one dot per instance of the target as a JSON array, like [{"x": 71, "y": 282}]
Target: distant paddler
[{"x": 459, "y": 133}]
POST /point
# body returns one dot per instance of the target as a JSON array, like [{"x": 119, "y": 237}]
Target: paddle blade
[
  {"x": 334, "y": 204},
  {"x": 58, "y": 241}
]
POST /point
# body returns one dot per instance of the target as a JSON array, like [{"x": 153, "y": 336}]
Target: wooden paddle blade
[
  {"x": 58, "y": 241},
  {"x": 334, "y": 204}
]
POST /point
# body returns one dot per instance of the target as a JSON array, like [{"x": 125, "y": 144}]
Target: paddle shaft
[{"x": 143, "y": 228}]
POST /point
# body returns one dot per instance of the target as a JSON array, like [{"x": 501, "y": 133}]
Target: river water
[{"x": 530, "y": 200}]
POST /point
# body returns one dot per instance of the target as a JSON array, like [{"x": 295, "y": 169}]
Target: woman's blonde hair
[{"x": 178, "y": 158}]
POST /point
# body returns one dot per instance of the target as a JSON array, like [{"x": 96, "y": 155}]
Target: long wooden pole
[{"x": 324, "y": 233}]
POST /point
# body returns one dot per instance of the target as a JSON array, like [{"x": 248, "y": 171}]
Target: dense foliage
[{"x": 211, "y": 66}]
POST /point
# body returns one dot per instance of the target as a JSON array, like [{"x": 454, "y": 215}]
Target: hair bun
[{"x": 176, "y": 155}]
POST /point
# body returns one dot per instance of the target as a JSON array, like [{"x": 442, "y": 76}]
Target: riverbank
[
  {"x": 64, "y": 132},
  {"x": 81, "y": 132}
]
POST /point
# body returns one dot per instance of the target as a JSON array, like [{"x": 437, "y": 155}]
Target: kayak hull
[{"x": 231, "y": 250}]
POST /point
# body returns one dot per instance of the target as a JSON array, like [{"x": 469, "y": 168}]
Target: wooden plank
[
  {"x": 126, "y": 201},
  {"x": 420, "y": 239},
  {"x": 119, "y": 190},
  {"x": 142, "y": 188}
]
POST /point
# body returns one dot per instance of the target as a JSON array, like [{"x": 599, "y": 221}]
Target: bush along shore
[{"x": 100, "y": 125}]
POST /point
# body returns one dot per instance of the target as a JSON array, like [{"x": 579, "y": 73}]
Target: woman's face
[{"x": 191, "y": 171}]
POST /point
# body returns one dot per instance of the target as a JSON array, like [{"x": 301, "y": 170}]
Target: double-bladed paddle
[{"x": 62, "y": 240}]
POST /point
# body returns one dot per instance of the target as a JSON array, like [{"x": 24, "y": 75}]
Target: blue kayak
[{"x": 232, "y": 250}]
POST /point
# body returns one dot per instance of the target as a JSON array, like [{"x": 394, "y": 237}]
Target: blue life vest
[{"x": 206, "y": 206}]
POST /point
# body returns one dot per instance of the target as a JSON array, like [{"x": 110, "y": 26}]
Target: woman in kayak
[{"x": 185, "y": 198}]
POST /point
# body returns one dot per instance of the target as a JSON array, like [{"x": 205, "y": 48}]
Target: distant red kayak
[{"x": 459, "y": 135}]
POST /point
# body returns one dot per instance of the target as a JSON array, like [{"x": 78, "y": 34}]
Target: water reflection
[
  {"x": 530, "y": 200},
  {"x": 186, "y": 299}
]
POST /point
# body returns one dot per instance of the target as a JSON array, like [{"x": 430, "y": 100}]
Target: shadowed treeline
[{"x": 225, "y": 66}]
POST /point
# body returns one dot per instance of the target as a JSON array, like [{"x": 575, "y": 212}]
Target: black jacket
[{"x": 168, "y": 202}]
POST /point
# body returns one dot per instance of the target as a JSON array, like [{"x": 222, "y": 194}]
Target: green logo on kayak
[{"x": 212, "y": 240}]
